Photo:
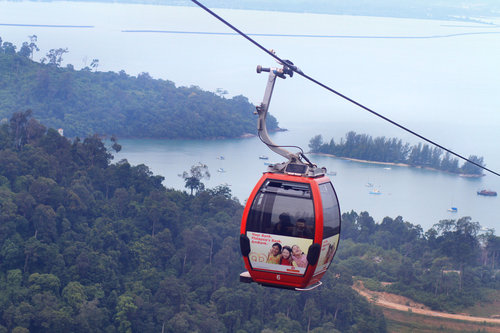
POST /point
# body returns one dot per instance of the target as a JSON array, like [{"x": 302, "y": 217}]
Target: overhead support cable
[{"x": 295, "y": 69}]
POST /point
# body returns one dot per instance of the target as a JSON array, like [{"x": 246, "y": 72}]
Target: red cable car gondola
[{"x": 291, "y": 222}]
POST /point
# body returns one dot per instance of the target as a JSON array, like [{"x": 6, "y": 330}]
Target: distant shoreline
[
  {"x": 250, "y": 135},
  {"x": 242, "y": 136},
  {"x": 398, "y": 164}
]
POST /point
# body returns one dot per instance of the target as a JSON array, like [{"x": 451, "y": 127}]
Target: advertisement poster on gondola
[
  {"x": 328, "y": 249},
  {"x": 275, "y": 253}
]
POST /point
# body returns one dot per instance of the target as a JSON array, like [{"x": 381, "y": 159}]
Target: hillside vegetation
[
  {"x": 86, "y": 102},
  {"x": 91, "y": 246},
  {"x": 87, "y": 245}
]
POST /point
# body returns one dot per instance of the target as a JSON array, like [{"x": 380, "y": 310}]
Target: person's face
[
  {"x": 285, "y": 253},
  {"x": 275, "y": 250},
  {"x": 296, "y": 251}
]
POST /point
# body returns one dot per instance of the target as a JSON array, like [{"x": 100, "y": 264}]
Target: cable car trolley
[{"x": 291, "y": 222}]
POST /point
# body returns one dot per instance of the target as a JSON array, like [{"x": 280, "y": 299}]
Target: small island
[{"x": 382, "y": 150}]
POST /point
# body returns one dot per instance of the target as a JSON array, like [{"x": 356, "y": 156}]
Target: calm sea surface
[
  {"x": 441, "y": 79},
  {"x": 420, "y": 196}
]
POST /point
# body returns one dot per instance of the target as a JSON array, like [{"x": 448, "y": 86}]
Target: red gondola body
[
  {"x": 275, "y": 197},
  {"x": 278, "y": 252}
]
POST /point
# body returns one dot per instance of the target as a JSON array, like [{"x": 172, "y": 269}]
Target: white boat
[
  {"x": 453, "y": 209},
  {"x": 263, "y": 157},
  {"x": 221, "y": 170},
  {"x": 375, "y": 191}
]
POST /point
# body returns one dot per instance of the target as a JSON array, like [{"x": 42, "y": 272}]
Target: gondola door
[{"x": 331, "y": 229}]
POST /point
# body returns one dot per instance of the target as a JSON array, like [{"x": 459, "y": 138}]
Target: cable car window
[
  {"x": 331, "y": 212},
  {"x": 283, "y": 208}
]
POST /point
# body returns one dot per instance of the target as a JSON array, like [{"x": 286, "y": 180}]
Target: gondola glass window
[
  {"x": 331, "y": 212},
  {"x": 283, "y": 208}
]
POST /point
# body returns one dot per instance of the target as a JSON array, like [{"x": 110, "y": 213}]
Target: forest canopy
[
  {"x": 86, "y": 102},
  {"x": 87, "y": 245}
]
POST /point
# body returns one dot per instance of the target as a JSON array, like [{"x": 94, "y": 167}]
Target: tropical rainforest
[
  {"x": 88, "y": 244},
  {"x": 85, "y": 102},
  {"x": 393, "y": 150}
]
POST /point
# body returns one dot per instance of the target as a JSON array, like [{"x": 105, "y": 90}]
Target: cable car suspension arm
[
  {"x": 295, "y": 164},
  {"x": 264, "y": 106}
]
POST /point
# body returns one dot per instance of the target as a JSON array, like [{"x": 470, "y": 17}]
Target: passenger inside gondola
[
  {"x": 301, "y": 229},
  {"x": 284, "y": 225},
  {"x": 277, "y": 205}
]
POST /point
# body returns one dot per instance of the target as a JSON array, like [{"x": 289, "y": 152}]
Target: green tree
[
  {"x": 94, "y": 64},
  {"x": 311, "y": 312},
  {"x": 74, "y": 295},
  {"x": 18, "y": 125},
  {"x": 28, "y": 49},
  {"x": 194, "y": 177},
  {"x": 54, "y": 56},
  {"x": 44, "y": 282},
  {"x": 124, "y": 309},
  {"x": 44, "y": 220},
  {"x": 315, "y": 143},
  {"x": 459, "y": 241},
  {"x": 493, "y": 250},
  {"x": 472, "y": 169},
  {"x": 8, "y": 48}
]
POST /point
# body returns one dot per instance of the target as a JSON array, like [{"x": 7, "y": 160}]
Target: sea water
[{"x": 438, "y": 78}]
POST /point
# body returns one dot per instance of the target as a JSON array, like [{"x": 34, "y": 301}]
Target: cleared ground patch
[{"x": 405, "y": 315}]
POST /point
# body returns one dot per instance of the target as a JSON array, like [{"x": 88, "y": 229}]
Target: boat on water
[
  {"x": 375, "y": 191},
  {"x": 221, "y": 157},
  {"x": 487, "y": 193},
  {"x": 263, "y": 157},
  {"x": 453, "y": 209},
  {"x": 221, "y": 170}
]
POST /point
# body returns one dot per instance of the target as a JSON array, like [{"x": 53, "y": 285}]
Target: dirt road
[{"x": 401, "y": 303}]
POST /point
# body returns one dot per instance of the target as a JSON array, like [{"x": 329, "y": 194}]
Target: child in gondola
[
  {"x": 286, "y": 256},
  {"x": 299, "y": 257},
  {"x": 274, "y": 255}
]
